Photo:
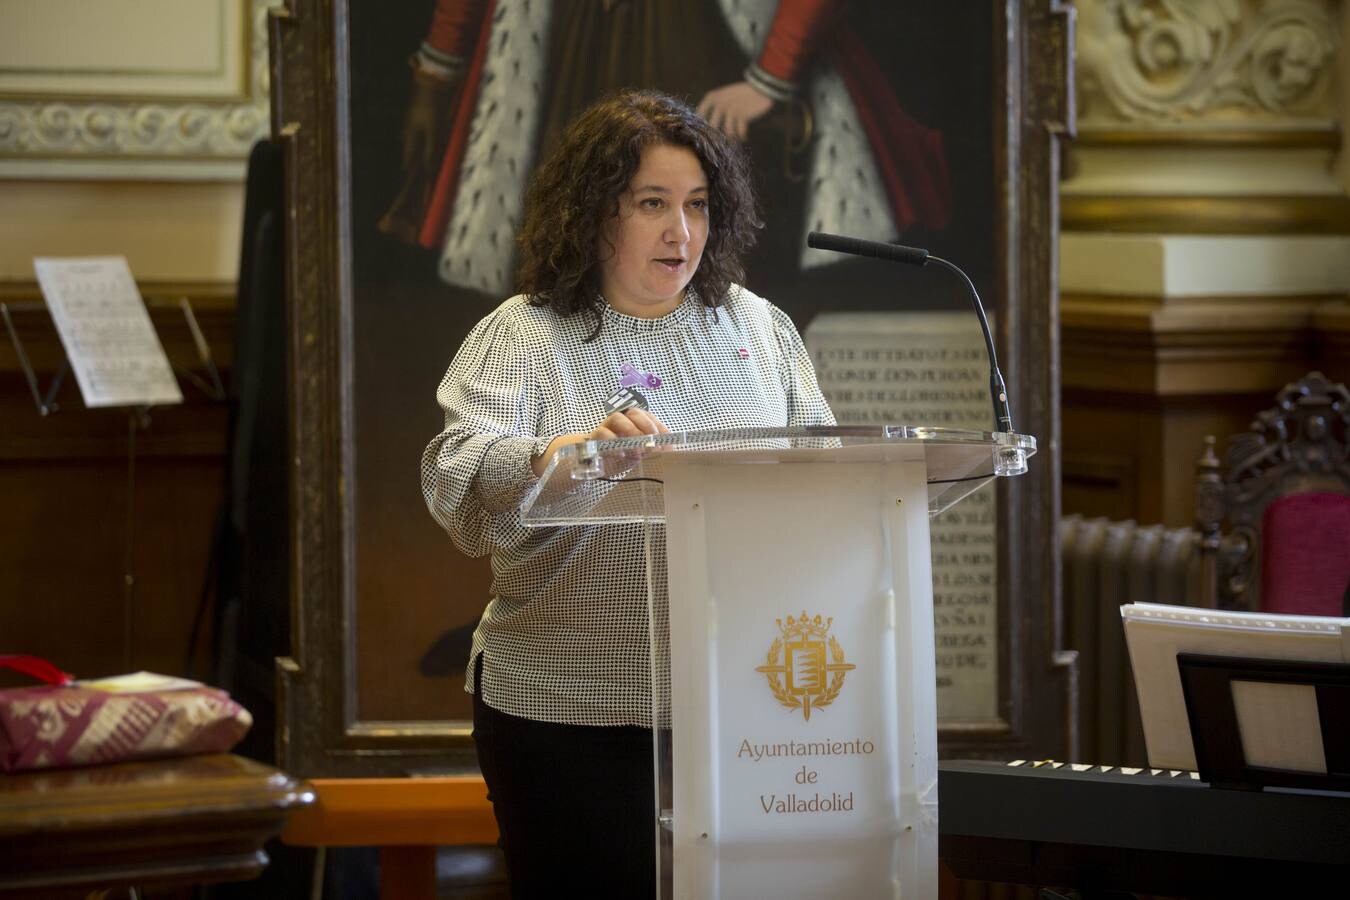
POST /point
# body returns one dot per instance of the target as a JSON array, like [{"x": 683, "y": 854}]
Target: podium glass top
[{"x": 621, "y": 480}]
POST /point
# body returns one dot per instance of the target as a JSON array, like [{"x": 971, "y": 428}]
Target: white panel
[
  {"x": 769, "y": 802},
  {"x": 1235, "y": 266},
  {"x": 1280, "y": 726},
  {"x": 1128, "y": 265},
  {"x": 1200, "y": 266},
  {"x": 110, "y": 48}
]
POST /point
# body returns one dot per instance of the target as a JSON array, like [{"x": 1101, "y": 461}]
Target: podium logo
[{"x": 806, "y": 665}]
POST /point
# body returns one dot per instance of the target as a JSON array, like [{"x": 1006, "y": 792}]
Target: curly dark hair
[{"x": 576, "y": 191}]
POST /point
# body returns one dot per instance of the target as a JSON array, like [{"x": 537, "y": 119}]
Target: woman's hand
[{"x": 634, "y": 422}]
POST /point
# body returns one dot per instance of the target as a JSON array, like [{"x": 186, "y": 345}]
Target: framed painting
[{"x": 410, "y": 130}]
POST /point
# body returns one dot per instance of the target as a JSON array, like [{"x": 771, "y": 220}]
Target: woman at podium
[{"x": 629, "y": 322}]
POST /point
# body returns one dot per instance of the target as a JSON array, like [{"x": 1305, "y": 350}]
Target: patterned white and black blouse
[{"x": 564, "y": 638}]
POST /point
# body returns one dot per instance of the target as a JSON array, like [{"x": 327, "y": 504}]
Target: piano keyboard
[
  {"x": 1161, "y": 831},
  {"x": 1089, "y": 768}
]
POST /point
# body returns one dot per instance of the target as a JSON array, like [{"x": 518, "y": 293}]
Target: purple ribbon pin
[{"x": 633, "y": 377}]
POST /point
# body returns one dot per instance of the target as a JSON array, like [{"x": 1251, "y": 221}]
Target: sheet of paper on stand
[
  {"x": 1279, "y": 723},
  {"x": 106, "y": 332}
]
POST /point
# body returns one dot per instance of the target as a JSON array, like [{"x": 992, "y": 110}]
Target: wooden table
[
  {"x": 407, "y": 818},
  {"x": 189, "y": 820}
]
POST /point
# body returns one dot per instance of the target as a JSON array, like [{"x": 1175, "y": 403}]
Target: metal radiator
[{"x": 1108, "y": 564}]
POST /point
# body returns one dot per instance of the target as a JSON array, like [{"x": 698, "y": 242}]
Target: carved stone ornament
[
  {"x": 1147, "y": 62},
  {"x": 111, "y": 137}
]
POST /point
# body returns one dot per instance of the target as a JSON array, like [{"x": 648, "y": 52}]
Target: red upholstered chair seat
[
  {"x": 1274, "y": 518},
  {"x": 1305, "y": 557}
]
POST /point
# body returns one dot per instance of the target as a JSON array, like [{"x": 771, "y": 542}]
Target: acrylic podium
[{"x": 791, "y": 601}]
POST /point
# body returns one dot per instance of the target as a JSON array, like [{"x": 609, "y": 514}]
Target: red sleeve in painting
[
  {"x": 442, "y": 199},
  {"x": 454, "y": 26},
  {"x": 799, "y": 29}
]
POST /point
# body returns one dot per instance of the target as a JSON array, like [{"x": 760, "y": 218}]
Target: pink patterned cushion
[
  {"x": 1305, "y": 558},
  {"x": 50, "y": 726}
]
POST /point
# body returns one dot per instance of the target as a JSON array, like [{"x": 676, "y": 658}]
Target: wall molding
[
  {"x": 166, "y": 137},
  {"x": 1141, "y": 346},
  {"x": 1250, "y": 214},
  {"x": 1218, "y": 61},
  {"x": 1320, "y": 136}
]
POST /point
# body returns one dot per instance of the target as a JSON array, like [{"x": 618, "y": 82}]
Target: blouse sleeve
[
  {"x": 806, "y": 404},
  {"x": 475, "y": 472}
]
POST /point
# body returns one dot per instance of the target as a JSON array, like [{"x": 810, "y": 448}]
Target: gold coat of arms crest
[{"x": 805, "y": 665}]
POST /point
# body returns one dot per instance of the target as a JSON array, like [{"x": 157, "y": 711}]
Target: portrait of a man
[
  {"x": 861, "y": 117},
  {"x": 495, "y": 81}
]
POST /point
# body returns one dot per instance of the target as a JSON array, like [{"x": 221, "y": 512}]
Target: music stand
[{"x": 1207, "y": 684}]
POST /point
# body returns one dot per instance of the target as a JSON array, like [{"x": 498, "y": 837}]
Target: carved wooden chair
[{"x": 1283, "y": 492}]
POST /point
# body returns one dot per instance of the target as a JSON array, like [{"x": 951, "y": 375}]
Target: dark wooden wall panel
[
  {"x": 64, "y": 513},
  {"x": 64, "y": 532}
]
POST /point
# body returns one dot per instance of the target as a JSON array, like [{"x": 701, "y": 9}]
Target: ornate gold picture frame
[{"x": 374, "y": 588}]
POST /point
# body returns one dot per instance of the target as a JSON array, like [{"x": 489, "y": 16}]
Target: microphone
[{"x": 914, "y": 256}]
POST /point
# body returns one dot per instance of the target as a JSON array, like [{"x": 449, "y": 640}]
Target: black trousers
[{"x": 574, "y": 804}]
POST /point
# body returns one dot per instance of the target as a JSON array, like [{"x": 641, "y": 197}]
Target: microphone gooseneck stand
[{"x": 915, "y": 256}]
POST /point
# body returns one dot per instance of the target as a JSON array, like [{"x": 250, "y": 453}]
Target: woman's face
[{"x": 658, "y": 235}]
